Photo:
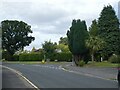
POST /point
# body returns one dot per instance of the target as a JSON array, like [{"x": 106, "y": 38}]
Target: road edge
[
  {"x": 20, "y": 74},
  {"x": 90, "y": 75}
]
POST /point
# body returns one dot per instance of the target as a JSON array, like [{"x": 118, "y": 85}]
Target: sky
[{"x": 50, "y": 19}]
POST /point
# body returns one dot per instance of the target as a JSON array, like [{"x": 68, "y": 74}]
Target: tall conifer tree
[
  {"x": 108, "y": 29},
  {"x": 76, "y": 39}
]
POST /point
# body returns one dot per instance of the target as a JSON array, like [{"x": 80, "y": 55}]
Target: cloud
[{"x": 50, "y": 19}]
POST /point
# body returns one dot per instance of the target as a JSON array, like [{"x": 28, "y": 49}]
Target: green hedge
[
  {"x": 31, "y": 57},
  {"x": 7, "y": 56},
  {"x": 16, "y": 57},
  {"x": 39, "y": 56},
  {"x": 64, "y": 57}
]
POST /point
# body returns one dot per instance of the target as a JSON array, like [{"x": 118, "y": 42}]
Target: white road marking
[
  {"x": 20, "y": 74},
  {"x": 49, "y": 66}
]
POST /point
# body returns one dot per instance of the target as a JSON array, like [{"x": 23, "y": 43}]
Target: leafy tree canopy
[
  {"x": 63, "y": 47},
  {"x": 93, "y": 29},
  {"x": 63, "y": 40},
  {"x": 49, "y": 48},
  {"x": 108, "y": 29},
  {"x": 15, "y": 35},
  {"x": 94, "y": 43}
]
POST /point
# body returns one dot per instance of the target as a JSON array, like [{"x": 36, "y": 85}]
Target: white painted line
[{"x": 20, "y": 74}]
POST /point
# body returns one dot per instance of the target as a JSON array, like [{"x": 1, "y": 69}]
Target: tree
[
  {"x": 63, "y": 47},
  {"x": 108, "y": 30},
  {"x": 76, "y": 39},
  {"x": 63, "y": 40},
  {"x": 93, "y": 29},
  {"x": 33, "y": 49},
  {"x": 94, "y": 43},
  {"x": 49, "y": 48},
  {"x": 15, "y": 35},
  {"x": 0, "y": 32}
]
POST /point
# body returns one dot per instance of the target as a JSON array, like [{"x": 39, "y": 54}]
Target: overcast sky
[{"x": 50, "y": 19}]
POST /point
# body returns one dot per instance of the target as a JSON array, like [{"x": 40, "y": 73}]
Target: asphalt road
[
  {"x": 12, "y": 80},
  {"x": 52, "y": 76}
]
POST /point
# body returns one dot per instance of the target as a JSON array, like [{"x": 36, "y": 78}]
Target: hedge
[
  {"x": 16, "y": 57},
  {"x": 7, "y": 56},
  {"x": 40, "y": 57},
  {"x": 31, "y": 57},
  {"x": 64, "y": 57}
]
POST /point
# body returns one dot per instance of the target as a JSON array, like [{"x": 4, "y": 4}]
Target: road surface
[
  {"x": 11, "y": 79},
  {"x": 52, "y": 76}
]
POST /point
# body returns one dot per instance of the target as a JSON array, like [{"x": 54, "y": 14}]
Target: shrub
[
  {"x": 40, "y": 56},
  {"x": 31, "y": 57},
  {"x": 64, "y": 57},
  {"x": 16, "y": 57},
  {"x": 81, "y": 63},
  {"x": 6, "y": 56},
  {"x": 114, "y": 59}
]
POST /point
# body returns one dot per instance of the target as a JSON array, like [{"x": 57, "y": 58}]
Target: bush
[
  {"x": 7, "y": 56},
  {"x": 63, "y": 57},
  {"x": 81, "y": 63},
  {"x": 16, "y": 57},
  {"x": 31, "y": 57},
  {"x": 40, "y": 56},
  {"x": 114, "y": 59}
]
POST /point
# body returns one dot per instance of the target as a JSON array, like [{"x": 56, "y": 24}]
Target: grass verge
[{"x": 101, "y": 64}]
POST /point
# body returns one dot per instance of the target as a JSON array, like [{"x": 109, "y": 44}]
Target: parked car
[{"x": 118, "y": 76}]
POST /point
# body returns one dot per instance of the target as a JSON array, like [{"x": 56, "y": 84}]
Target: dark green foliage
[
  {"x": 6, "y": 55},
  {"x": 64, "y": 57},
  {"x": 15, "y": 35},
  {"x": 86, "y": 57},
  {"x": 40, "y": 56},
  {"x": 108, "y": 29},
  {"x": 31, "y": 57},
  {"x": 93, "y": 30},
  {"x": 0, "y": 32},
  {"x": 94, "y": 44},
  {"x": 81, "y": 63},
  {"x": 63, "y": 40},
  {"x": 114, "y": 59},
  {"x": 49, "y": 48},
  {"x": 16, "y": 57},
  {"x": 76, "y": 39}
]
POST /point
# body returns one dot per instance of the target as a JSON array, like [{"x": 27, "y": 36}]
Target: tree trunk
[
  {"x": 92, "y": 55},
  {"x": 76, "y": 59}
]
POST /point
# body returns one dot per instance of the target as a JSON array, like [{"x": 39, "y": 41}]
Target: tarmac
[
  {"x": 109, "y": 73},
  {"x": 11, "y": 80}
]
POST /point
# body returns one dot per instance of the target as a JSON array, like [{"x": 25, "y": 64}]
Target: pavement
[
  {"x": 11, "y": 79},
  {"x": 109, "y": 73}
]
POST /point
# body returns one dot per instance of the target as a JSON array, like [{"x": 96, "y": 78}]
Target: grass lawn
[
  {"x": 23, "y": 62},
  {"x": 32, "y": 62},
  {"x": 101, "y": 64},
  {"x": 90, "y": 64}
]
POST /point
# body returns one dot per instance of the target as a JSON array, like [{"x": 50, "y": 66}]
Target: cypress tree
[
  {"x": 76, "y": 39},
  {"x": 108, "y": 29}
]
